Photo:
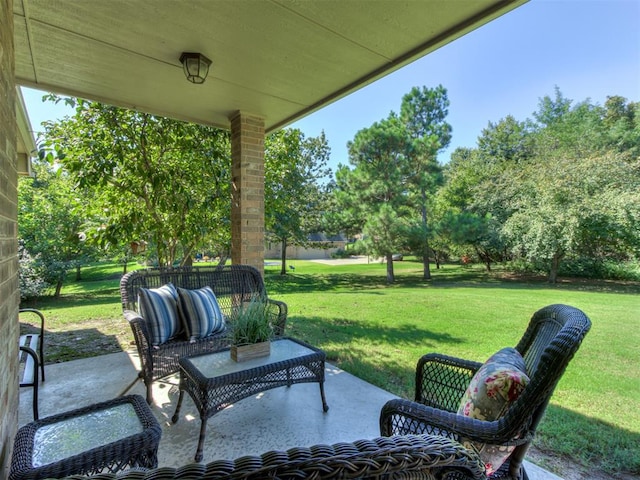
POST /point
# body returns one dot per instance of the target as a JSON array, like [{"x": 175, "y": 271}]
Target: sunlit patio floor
[{"x": 274, "y": 420}]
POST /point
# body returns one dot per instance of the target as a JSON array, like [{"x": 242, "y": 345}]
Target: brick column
[
  {"x": 9, "y": 290},
  {"x": 247, "y": 185}
]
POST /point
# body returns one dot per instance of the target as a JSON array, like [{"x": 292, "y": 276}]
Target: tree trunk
[
  {"x": 283, "y": 258},
  {"x": 553, "y": 271},
  {"x": 485, "y": 258},
  {"x": 223, "y": 260},
  {"x": 78, "y": 273},
  {"x": 125, "y": 262},
  {"x": 59, "y": 287},
  {"x": 390, "y": 276},
  {"x": 426, "y": 271}
]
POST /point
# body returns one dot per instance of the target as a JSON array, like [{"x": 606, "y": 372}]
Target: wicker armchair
[
  {"x": 550, "y": 341},
  {"x": 424, "y": 457},
  {"x": 232, "y": 285}
]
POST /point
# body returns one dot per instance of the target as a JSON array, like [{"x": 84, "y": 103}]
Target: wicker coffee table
[
  {"x": 107, "y": 436},
  {"x": 215, "y": 381}
]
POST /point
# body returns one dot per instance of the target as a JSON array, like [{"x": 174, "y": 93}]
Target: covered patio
[
  {"x": 278, "y": 419},
  {"x": 273, "y": 63}
]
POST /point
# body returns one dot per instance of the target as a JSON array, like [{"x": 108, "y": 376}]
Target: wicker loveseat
[
  {"x": 403, "y": 457},
  {"x": 550, "y": 341},
  {"x": 232, "y": 285}
]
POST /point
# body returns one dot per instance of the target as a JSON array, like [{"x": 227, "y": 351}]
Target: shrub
[
  {"x": 31, "y": 274},
  {"x": 340, "y": 253}
]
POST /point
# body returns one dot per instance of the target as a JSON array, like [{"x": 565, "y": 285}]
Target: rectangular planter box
[{"x": 240, "y": 353}]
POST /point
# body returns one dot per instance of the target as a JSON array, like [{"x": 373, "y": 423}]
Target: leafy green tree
[
  {"x": 506, "y": 142},
  {"x": 471, "y": 206},
  {"x": 375, "y": 190},
  {"x": 343, "y": 214},
  {"x": 566, "y": 202},
  {"x": 147, "y": 178},
  {"x": 295, "y": 168},
  {"x": 52, "y": 220},
  {"x": 552, "y": 189},
  {"x": 572, "y": 206},
  {"x": 552, "y": 110},
  {"x": 622, "y": 120},
  {"x": 423, "y": 112}
]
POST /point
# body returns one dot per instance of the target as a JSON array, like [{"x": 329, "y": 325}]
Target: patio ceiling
[{"x": 278, "y": 59}]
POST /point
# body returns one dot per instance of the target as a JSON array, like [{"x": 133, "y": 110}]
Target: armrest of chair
[
  {"x": 140, "y": 330},
  {"x": 442, "y": 380},
  {"x": 30, "y": 376},
  {"x": 279, "y": 310},
  {"x": 39, "y": 314},
  {"x": 404, "y": 417}
]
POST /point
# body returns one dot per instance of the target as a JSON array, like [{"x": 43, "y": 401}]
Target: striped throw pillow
[
  {"x": 158, "y": 306},
  {"x": 200, "y": 312}
]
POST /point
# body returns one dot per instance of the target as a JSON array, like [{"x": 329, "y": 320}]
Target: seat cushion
[
  {"x": 200, "y": 312},
  {"x": 158, "y": 306},
  {"x": 494, "y": 387}
]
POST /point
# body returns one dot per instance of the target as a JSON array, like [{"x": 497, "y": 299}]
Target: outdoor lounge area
[
  {"x": 113, "y": 54},
  {"x": 278, "y": 419}
]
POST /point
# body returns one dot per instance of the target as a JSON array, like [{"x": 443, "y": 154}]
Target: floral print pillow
[{"x": 497, "y": 384}]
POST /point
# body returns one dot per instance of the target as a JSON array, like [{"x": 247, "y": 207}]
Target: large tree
[
  {"x": 376, "y": 189},
  {"x": 471, "y": 205},
  {"x": 148, "y": 178},
  {"x": 423, "y": 113},
  {"x": 572, "y": 206},
  {"x": 295, "y": 169},
  {"x": 557, "y": 188},
  {"x": 52, "y": 223}
]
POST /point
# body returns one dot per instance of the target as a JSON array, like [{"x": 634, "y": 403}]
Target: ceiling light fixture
[{"x": 195, "y": 66}]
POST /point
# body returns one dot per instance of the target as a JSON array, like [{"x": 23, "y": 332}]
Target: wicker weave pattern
[
  {"x": 139, "y": 450},
  {"x": 381, "y": 458},
  {"x": 553, "y": 336},
  {"x": 232, "y": 285}
]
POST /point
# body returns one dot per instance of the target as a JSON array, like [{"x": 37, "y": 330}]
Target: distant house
[{"x": 321, "y": 246}]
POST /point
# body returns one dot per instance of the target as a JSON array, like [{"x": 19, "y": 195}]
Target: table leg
[
  {"x": 176, "y": 416},
  {"x": 203, "y": 431},
  {"x": 325, "y": 407}
]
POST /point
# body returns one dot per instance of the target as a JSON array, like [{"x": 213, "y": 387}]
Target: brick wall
[
  {"x": 247, "y": 207},
  {"x": 9, "y": 295}
]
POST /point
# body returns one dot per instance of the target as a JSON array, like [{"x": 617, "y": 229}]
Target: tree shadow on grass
[
  {"x": 104, "y": 297},
  {"x": 369, "y": 356},
  {"x": 317, "y": 282},
  {"x": 74, "y": 343}
]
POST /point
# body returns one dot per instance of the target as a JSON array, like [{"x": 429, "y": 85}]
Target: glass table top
[
  {"x": 75, "y": 435},
  {"x": 220, "y": 363}
]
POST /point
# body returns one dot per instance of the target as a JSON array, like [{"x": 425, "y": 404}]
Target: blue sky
[{"x": 588, "y": 48}]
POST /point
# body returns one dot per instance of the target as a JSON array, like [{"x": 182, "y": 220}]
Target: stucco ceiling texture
[{"x": 278, "y": 59}]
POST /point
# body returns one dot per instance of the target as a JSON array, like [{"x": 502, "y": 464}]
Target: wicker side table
[{"x": 108, "y": 436}]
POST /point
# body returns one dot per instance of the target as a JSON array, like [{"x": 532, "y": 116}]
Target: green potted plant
[{"x": 250, "y": 331}]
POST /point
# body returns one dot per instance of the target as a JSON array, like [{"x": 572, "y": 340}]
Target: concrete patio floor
[{"x": 274, "y": 420}]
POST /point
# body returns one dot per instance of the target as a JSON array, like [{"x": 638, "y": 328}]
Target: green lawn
[{"x": 377, "y": 332}]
